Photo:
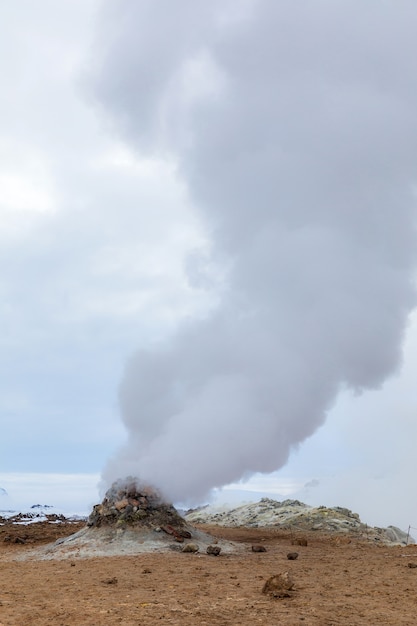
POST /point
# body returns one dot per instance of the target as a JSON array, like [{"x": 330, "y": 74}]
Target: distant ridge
[{"x": 295, "y": 515}]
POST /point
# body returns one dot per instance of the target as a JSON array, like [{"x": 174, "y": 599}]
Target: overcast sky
[{"x": 207, "y": 244}]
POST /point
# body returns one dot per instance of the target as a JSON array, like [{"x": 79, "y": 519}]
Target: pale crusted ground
[
  {"x": 296, "y": 515},
  {"x": 336, "y": 583}
]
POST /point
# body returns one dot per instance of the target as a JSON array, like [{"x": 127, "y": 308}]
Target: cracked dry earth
[{"x": 335, "y": 583}]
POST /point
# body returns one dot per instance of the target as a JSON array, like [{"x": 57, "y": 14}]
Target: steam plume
[{"x": 293, "y": 126}]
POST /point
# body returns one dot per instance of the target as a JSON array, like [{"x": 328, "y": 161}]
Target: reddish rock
[
  {"x": 121, "y": 504},
  {"x": 170, "y": 530}
]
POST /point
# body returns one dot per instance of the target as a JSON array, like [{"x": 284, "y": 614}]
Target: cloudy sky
[{"x": 208, "y": 247}]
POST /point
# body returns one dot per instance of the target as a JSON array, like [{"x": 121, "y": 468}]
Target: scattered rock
[
  {"x": 258, "y": 548},
  {"x": 190, "y": 547},
  {"x": 184, "y": 533},
  {"x": 213, "y": 550},
  {"x": 110, "y": 581},
  {"x": 19, "y": 540},
  {"x": 279, "y": 586},
  {"x": 412, "y": 565},
  {"x": 292, "y": 556}
]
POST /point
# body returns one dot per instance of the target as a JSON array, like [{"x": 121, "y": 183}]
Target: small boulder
[
  {"x": 190, "y": 547},
  {"x": 279, "y": 586},
  {"x": 292, "y": 556},
  {"x": 258, "y": 549},
  {"x": 110, "y": 581},
  {"x": 213, "y": 550}
]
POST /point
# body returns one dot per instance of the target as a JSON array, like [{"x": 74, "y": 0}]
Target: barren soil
[{"x": 336, "y": 582}]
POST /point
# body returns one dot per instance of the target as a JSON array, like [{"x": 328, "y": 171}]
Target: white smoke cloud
[{"x": 294, "y": 129}]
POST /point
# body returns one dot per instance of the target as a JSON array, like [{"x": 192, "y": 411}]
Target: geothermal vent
[
  {"x": 134, "y": 518},
  {"x": 126, "y": 505}
]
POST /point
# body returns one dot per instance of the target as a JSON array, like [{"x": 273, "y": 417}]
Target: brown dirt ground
[{"x": 336, "y": 583}]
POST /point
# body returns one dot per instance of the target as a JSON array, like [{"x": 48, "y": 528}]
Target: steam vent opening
[{"x": 129, "y": 505}]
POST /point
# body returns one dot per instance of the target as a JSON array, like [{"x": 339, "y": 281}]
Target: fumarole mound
[
  {"x": 128, "y": 505},
  {"x": 133, "y": 518}
]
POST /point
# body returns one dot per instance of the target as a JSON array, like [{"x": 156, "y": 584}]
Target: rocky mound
[
  {"x": 133, "y": 518},
  {"x": 127, "y": 505},
  {"x": 295, "y": 515}
]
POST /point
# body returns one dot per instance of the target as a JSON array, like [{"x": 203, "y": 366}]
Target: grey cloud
[{"x": 301, "y": 162}]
